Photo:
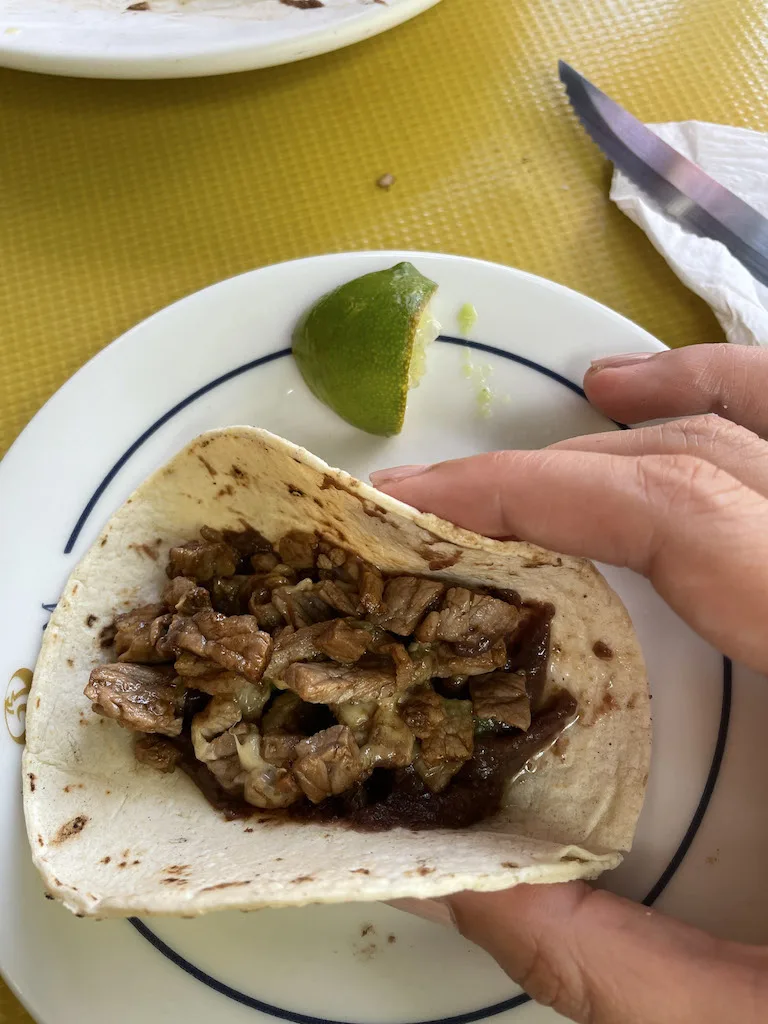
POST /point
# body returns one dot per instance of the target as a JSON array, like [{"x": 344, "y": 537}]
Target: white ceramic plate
[
  {"x": 221, "y": 357},
  {"x": 183, "y": 38}
]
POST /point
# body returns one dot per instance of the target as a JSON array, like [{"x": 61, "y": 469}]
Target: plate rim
[{"x": 68, "y": 59}]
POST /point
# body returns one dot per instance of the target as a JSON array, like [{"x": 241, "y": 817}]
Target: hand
[{"x": 686, "y": 504}]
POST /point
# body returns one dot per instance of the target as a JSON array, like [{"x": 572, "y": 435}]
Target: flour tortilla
[{"x": 113, "y": 838}]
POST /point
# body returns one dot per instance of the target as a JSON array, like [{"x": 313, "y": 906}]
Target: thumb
[{"x": 600, "y": 959}]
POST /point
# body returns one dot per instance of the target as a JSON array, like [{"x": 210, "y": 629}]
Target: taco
[{"x": 268, "y": 684}]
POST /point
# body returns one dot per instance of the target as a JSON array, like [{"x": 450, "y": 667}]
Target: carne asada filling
[{"x": 298, "y": 678}]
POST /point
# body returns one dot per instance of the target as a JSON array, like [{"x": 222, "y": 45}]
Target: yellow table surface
[{"x": 120, "y": 197}]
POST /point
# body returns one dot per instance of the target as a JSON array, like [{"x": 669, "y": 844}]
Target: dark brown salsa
[{"x": 297, "y": 678}]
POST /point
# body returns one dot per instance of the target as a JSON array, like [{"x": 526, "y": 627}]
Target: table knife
[{"x": 679, "y": 186}]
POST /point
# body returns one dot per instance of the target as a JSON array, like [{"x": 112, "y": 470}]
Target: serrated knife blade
[{"x": 679, "y": 186}]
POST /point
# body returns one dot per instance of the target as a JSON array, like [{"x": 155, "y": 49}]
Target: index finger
[
  {"x": 694, "y": 530},
  {"x": 729, "y": 380}
]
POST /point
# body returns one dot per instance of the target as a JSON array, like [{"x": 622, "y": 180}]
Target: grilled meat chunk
[
  {"x": 146, "y": 698},
  {"x": 391, "y": 744},
  {"x": 327, "y": 763},
  {"x": 156, "y": 752},
  {"x": 133, "y": 635},
  {"x": 468, "y": 618},
  {"x": 212, "y": 738},
  {"x": 502, "y": 697},
  {"x": 343, "y": 641},
  {"x": 298, "y": 549},
  {"x": 326, "y": 683},
  {"x": 446, "y": 730},
  {"x": 201, "y": 560},
  {"x": 301, "y": 605},
  {"x": 450, "y": 662},
  {"x": 234, "y": 642},
  {"x": 405, "y": 600},
  {"x": 184, "y": 596}
]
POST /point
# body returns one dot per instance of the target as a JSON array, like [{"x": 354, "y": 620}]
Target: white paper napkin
[{"x": 738, "y": 159}]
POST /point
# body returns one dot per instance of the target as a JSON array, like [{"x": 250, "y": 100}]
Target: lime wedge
[{"x": 361, "y": 347}]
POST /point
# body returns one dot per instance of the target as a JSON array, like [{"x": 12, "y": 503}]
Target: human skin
[{"x": 684, "y": 503}]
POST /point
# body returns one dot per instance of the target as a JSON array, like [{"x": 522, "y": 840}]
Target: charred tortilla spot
[
  {"x": 103, "y": 541},
  {"x": 144, "y": 549},
  {"x": 37, "y": 702},
  {"x": 70, "y": 662},
  {"x": 318, "y": 503},
  {"x": 177, "y": 869},
  {"x": 90, "y": 620},
  {"x": 71, "y": 828},
  {"x": 123, "y": 864},
  {"x": 509, "y": 864},
  {"x": 302, "y": 878},
  {"x": 40, "y": 841},
  {"x": 391, "y": 939},
  {"x": 32, "y": 780},
  {"x": 208, "y": 466},
  {"x": 247, "y": 830},
  {"x": 561, "y": 746},
  {"x": 106, "y": 860},
  {"x": 238, "y": 473},
  {"x": 172, "y": 881},
  {"x": 366, "y": 930},
  {"x": 373, "y": 510},
  {"x": 49, "y": 896},
  {"x": 422, "y": 870},
  {"x": 224, "y": 885},
  {"x": 360, "y": 871},
  {"x": 295, "y": 491},
  {"x": 602, "y": 650},
  {"x": 608, "y": 703},
  {"x": 75, "y": 589}
]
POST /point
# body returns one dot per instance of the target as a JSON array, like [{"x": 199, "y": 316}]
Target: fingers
[
  {"x": 736, "y": 450},
  {"x": 599, "y": 959},
  {"x": 693, "y": 529},
  {"x": 729, "y": 380}
]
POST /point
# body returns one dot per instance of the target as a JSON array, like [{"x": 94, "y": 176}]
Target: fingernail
[
  {"x": 626, "y": 359},
  {"x": 390, "y": 476}
]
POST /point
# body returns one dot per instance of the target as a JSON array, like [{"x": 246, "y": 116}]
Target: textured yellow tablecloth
[{"x": 119, "y": 197}]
